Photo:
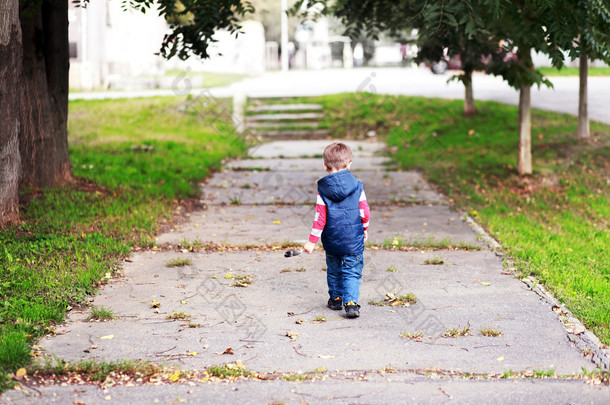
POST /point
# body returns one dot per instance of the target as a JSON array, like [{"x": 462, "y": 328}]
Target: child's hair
[{"x": 337, "y": 156}]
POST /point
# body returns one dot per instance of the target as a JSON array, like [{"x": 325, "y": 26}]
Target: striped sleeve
[
  {"x": 319, "y": 220},
  {"x": 365, "y": 211}
]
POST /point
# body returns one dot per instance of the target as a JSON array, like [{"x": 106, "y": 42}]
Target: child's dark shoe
[
  {"x": 352, "y": 309},
  {"x": 335, "y": 304}
]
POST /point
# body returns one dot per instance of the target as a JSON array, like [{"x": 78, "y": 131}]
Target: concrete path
[
  {"x": 563, "y": 97},
  {"x": 279, "y": 323}
]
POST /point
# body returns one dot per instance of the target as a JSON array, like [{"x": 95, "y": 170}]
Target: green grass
[
  {"x": 70, "y": 238},
  {"x": 210, "y": 79},
  {"x": 457, "y": 332},
  {"x": 95, "y": 370},
  {"x": 178, "y": 262},
  {"x": 573, "y": 71},
  {"x": 101, "y": 314},
  {"x": 553, "y": 225}
]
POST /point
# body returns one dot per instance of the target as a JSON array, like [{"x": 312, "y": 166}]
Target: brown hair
[{"x": 337, "y": 156}]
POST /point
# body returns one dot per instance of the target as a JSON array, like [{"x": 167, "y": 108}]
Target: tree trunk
[
  {"x": 524, "y": 165},
  {"x": 43, "y": 139},
  {"x": 10, "y": 76},
  {"x": 469, "y": 108},
  {"x": 584, "y": 134}
]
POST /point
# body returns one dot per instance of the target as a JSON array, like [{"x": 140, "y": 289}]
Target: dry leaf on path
[
  {"x": 292, "y": 335},
  {"x": 107, "y": 337},
  {"x": 228, "y": 350}
]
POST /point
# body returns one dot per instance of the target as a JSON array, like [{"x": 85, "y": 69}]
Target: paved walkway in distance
[
  {"x": 563, "y": 97},
  {"x": 272, "y": 325}
]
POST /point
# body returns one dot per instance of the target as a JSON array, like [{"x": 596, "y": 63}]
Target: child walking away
[{"x": 342, "y": 221}]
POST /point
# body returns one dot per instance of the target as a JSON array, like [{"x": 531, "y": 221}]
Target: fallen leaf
[
  {"x": 471, "y": 132},
  {"x": 228, "y": 350},
  {"x": 292, "y": 335},
  {"x": 175, "y": 376},
  {"x": 93, "y": 347},
  {"x": 324, "y": 356},
  {"x": 192, "y": 354},
  {"x": 485, "y": 283},
  {"x": 155, "y": 304},
  {"x": 299, "y": 321},
  {"x": 277, "y": 222},
  {"x": 206, "y": 346},
  {"x": 229, "y": 276},
  {"x": 78, "y": 402},
  {"x": 22, "y": 372},
  {"x": 183, "y": 302},
  {"x": 290, "y": 313},
  {"x": 501, "y": 358},
  {"x": 107, "y": 337}
]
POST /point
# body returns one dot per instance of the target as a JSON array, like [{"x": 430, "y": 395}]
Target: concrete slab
[
  {"x": 377, "y": 389},
  {"x": 469, "y": 289},
  {"x": 258, "y": 225},
  {"x": 296, "y": 148},
  {"x": 307, "y": 165},
  {"x": 284, "y": 107},
  {"x": 289, "y": 187},
  {"x": 279, "y": 117}
]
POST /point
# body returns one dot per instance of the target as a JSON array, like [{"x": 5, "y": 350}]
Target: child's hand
[
  {"x": 366, "y": 235},
  {"x": 309, "y": 246}
]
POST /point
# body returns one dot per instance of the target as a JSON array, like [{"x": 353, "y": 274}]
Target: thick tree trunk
[
  {"x": 469, "y": 108},
  {"x": 10, "y": 76},
  {"x": 584, "y": 134},
  {"x": 524, "y": 165},
  {"x": 44, "y": 99}
]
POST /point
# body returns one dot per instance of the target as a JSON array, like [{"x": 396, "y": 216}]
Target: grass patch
[
  {"x": 241, "y": 281},
  {"x": 133, "y": 160},
  {"x": 230, "y": 370},
  {"x": 544, "y": 373},
  {"x": 391, "y": 269},
  {"x": 553, "y": 224},
  {"x": 490, "y": 332},
  {"x": 319, "y": 319},
  {"x": 94, "y": 370},
  {"x": 176, "y": 316},
  {"x": 435, "y": 261},
  {"x": 394, "y": 300},
  {"x": 415, "y": 335},
  {"x": 178, "y": 262},
  {"x": 573, "y": 71},
  {"x": 457, "y": 332},
  {"x": 101, "y": 314}
]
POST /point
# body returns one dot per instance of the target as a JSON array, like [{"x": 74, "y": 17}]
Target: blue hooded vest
[{"x": 343, "y": 233}]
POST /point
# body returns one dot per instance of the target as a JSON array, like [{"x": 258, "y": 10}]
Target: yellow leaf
[
  {"x": 174, "y": 377},
  {"x": 155, "y": 304},
  {"x": 501, "y": 358},
  {"x": 228, "y": 276},
  {"x": 277, "y": 222},
  {"x": 183, "y": 302},
  {"x": 192, "y": 354},
  {"x": 21, "y": 373},
  {"x": 485, "y": 283},
  {"x": 324, "y": 356},
  {"x": 107, "y": 337}
]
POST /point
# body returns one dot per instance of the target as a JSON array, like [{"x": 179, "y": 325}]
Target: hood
[{"x": 337, "y": 186}]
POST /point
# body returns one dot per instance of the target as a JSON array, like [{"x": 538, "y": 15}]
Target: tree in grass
[
  {"x": 34, "y": 65},
  {"x": 10, "y": 78},
  {"x": 453, "y": 27},
  {"x": 534, "y": 25},
  {"x": 589, "y": 24},
  {"x": 456, "y": 27}
]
